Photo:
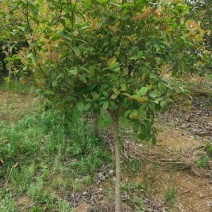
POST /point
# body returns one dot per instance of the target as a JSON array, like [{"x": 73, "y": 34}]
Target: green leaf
[
  {"x": 152, "y": 107},
  {"x": 63, "y": 22},
  {"x": 143, "y": 106},
  {"x": 142, "y": 135},
  {"x": 126, "y": 5},
  {"x": 139, "y": 55},
  {"x": 123, "y": 87},
  {"x": 161, "y": 87},
  {"x": 105, "y": 93},
  {"x": 102, "y": 1},
  {"x": 54, "y": 83},
  {"x": 113, "y": 105},
  {"x": 80, "y": 106},
  {"x": 67, "y": 15},
  {"x": 116, "y": 69},
  {"x": 148, "y": 125},
  {"x": 91, "y": 71},
  {"x": 114, "y": 96},
  {"x": 59, "y": 76},
  {"x": 73, "y": 71},
  {"x": 2, "y": 13},
  {"x": 142, "y": 91},
  {"x": 134, "y": 114},
  {"x": 105, "y": 105},
  {"x": 49, "y": 92},
  {"x": 87, "y": 106},
  {"x": 154, "y": 94},
  {"x": 126, "y": 114},
  {"x": 154, "y": 140},
  {"x": 163, "y": 103},
  {"x": 136, "y": 127},
  {"x": 33, "y": 8},
  {"x": 76, "y": 51}
]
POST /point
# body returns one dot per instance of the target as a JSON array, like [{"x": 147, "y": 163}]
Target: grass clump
[
  {"x": 203, "y": 162},
  {"x": 171, "y": 197},
  {"x": 208, "y": 149}
]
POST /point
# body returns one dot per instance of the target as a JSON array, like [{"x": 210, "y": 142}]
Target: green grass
[
  {"x": 203, "y": 161},
  {"x": 15, "y": 86},
  {"x": 209, "y": 77},
  {"x": 41, "y": 158},
  {"x": 171, "y": 197}
]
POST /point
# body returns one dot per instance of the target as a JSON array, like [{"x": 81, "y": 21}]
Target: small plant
[
  {"x": 171, "y": 196},
  {"x": 133, "y": 166},
  {"x": 138, "y": 202},
  {"x": 125, "y": 187},
  {"x": 7, "y": 202},
  {"x": 63, "y": 206},
  {"x": 79, "y": 183},
  {"x": 203, "y": 162},
  {"x": 208, "y": 148},
  {"x": 209, "y": 77},
  {"x": 135, "y": 191}
]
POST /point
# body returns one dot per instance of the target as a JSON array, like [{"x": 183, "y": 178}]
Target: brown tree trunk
[{"x": 118, "y": 166}]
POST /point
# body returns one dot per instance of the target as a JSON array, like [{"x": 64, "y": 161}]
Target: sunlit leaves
[
  {"x": 83, "y": 107},
  {"x": 142, "y": 91},
  {"x": 114, "y": 27},
  {"x": 73, "y": 71}
]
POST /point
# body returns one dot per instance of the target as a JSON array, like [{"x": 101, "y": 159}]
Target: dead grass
[
  {"x": 13, "y": 105},
  {"x": 193, "y": 184}
]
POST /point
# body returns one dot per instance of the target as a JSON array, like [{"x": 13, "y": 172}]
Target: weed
[
  {"x": 203, "y": 162},
  {"x": 208, "y": 148},
  {"x": 63, "y": 206},
  {"x": 35, "y": 190},
  {"x": 105, "y": 120},
  {"x": 171, "y": 196},
  {"x": 7, "y": 202},
  {"x": 135, "y": 190},
  {"x": 209, "y": 77},
  {"x": 133, "y": 166},
  {"x": 20, "y": 179},
  {"x": 16, "y": 86},
  {"x": 171, "y": 124}
]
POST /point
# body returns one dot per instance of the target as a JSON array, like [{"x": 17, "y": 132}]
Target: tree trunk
[{"x": 118, "y": 166}]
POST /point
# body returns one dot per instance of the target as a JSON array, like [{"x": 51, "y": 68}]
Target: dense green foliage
[{"x": 112, "y": 56}]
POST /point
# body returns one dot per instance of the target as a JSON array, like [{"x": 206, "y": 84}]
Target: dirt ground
[
  {"x": 13, "y": 106},
  {"x": 194, "y": 184}
]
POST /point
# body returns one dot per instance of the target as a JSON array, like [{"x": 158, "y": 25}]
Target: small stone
[{"x": 111, "y": 171}]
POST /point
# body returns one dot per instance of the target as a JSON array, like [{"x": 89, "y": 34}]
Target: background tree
[{"x": 201, "y": 13}]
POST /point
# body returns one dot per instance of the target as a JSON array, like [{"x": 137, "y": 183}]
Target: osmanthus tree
[
  {"x": 111, "y": 55},
  {"x": 201, "y": 10},
  {"x": 16, "y": 18},
  {"x": 201, "y": 15}
]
